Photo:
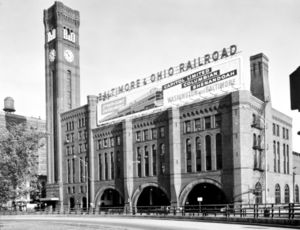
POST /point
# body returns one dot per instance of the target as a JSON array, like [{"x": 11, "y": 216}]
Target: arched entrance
[
  {"x": 210, "y": 193},
  {"x": 72, "y": 203},
  {"x": 152, "y": 196},
  {"x": 111, "y": 198}
]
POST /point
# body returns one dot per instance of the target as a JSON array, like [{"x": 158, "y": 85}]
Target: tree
[{"x": 18, "y": 161}]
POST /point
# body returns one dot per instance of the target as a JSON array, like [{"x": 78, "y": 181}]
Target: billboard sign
[{"x": 196, "y": 79}]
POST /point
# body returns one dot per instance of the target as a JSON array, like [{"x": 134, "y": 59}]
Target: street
[{"x": 115, "y": 223}]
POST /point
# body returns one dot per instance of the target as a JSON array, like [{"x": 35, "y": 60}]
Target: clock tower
[{"x": 62, "y": 84}]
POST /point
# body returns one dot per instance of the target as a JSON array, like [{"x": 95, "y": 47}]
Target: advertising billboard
[{"x": 197, "y": 79}]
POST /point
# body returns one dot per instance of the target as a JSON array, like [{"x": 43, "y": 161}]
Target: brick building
[{"x": 230, "y": 148}]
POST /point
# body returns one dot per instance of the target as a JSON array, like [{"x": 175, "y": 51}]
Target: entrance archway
[
  {"x": 210, "y": 193},
  {"x": 111, "y": 198},
  {"x": 72, "y": 203},
  {"x": 152, "y": 196}
]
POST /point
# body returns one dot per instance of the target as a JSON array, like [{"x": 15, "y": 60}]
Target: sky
[{"x": 121, "y": 41}]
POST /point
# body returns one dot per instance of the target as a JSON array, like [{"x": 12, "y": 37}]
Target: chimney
[{"x": 260, "y": 88}]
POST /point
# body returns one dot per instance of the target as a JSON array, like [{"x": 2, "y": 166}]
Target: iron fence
[{"x": 283, "y": 211}]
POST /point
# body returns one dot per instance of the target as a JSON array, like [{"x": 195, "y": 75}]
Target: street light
[
  {"x": 87, "y": 180},
  {"x": 294, "y": 174}
]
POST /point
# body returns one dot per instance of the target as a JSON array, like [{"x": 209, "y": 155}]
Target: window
[
  {"x": 287, "y": 160},
  {"x": 274, "y": 152},
  {"x": 69, "y": 171},
  {"x": 198, "y": 154},
  {"x": 146, "y": 159},
  {"x": 100, "y": 166},
  {"x": 254, "y": 140},
  {"x": 278, "y": 133},
  {"x": 139, "y": 156},
  {"x": 112, "y": 142},
  {"x": 188, "y": 155},
  {"x": 146, "y": 135},
  {"x": 162, "y": 132},
  {"x": 81, "y": 168},
  {"x": 253, "y": 119},
  {"x": 274, "y": 129},
  {"x": 284, "y": 159},
  {"x": 105, "y": 143},
  {"x": 258, "y": 193},
  {"x": 138, "y": 136},
  {"x": 297, "y": 193},
  {"x": 118, "y": 164},
  {"x": 154, "y": 133},
  {"x": 118, "y": 140},
  {"x": 208, "y": 152},
  {"x": 198, "y": 124},
  {"x": 207, "y": 123},
  {"x": 218, "y": 120},
  {"x": 112, "y": 165},
  {"x": 162, "y": 159},
  {"x": 277, "y": 194},
  {"x": 286, "y": 194},
  {"x": 154, "y": 159},
  {"x": 105, "y": 166},
  {"x": 283, "y": 132},
  {"x": 73, "y": 170},
  {"x": 219, "y": 151},
  {"x": 187, "y": 127},
  {"x": 287, "y": 134},
  {"x": 278, "y": 157}
]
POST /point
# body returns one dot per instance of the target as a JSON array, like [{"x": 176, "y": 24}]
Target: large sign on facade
[{"x": 200, "y": 78}]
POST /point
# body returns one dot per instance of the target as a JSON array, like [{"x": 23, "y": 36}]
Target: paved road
[{"x": 113, "y": 223}]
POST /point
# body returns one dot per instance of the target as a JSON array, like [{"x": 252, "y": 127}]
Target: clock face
[
  {"x": 52, "y": 55},
  {"x": 69, "y": 56}
]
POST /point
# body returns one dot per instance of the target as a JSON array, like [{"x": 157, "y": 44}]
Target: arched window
[
  {"x": 278, "y": 157},
  {"x": 287, "y": 160},
  {"x": 188, "y": 150},
  {"x": 208, "y": 152},
  {"x": 297, "y": 193},
  {"x": 198, "y": 154},
  {"x": 146, "y": 159},
  {"x": 253, "y": 119},
  {"x": 258, "y": 193},
  {"x": 138, "y": 163},
  {"x": 112, "y": 165},
  {"x": 118, "y": 164},
  {"x": 274, "y": 152},
  {"x": 106, "y": 166},
  {"x": 277, "y": 194},
  {"x": 254, "y": 140},
  {"x": 162, "y": 159},
  {"x": 219, "y": 151},
  {"x": 286, "y": 194},
  {"x": 154, "y": 159},
  {"x": 284, "y": 159},
  {"x": 100, "y": 167}
]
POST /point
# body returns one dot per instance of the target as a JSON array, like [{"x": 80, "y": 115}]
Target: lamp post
[
  {"x": 294, "y": 174},
  {"x": 87, "y": 180}
]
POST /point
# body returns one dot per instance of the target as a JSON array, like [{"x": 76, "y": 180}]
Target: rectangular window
[
  {"x": 162, "y": 132},
  {"x": 187, "y": 127},
  {"x": 218, "y": 121},
  {"x": 287, "y": 134},
  {"x": 112, "y": 142},
  {"x": 154, "y": 133},
  {"x": 198, "y": 124},
  {"x": 274, "y": 129},
  {"x": 81, "y": 167},
  {"x": 105, "y": 143},
  {"x": 73, "y": 169},
  {"x": 138, "y": 136},
  {"x": 146, "y": 135},
  {"x": 69, "y": 171},
  {"x": 207, "y": 123},
  {"x": 283, "y": 132},
  {"x": 278, "y": 132},
  {"x": 118, "y": 140},
  {"x": 100, "y": 167}
]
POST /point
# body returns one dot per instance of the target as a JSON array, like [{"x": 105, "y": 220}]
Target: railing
[{"x": 282, "y": 211}]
